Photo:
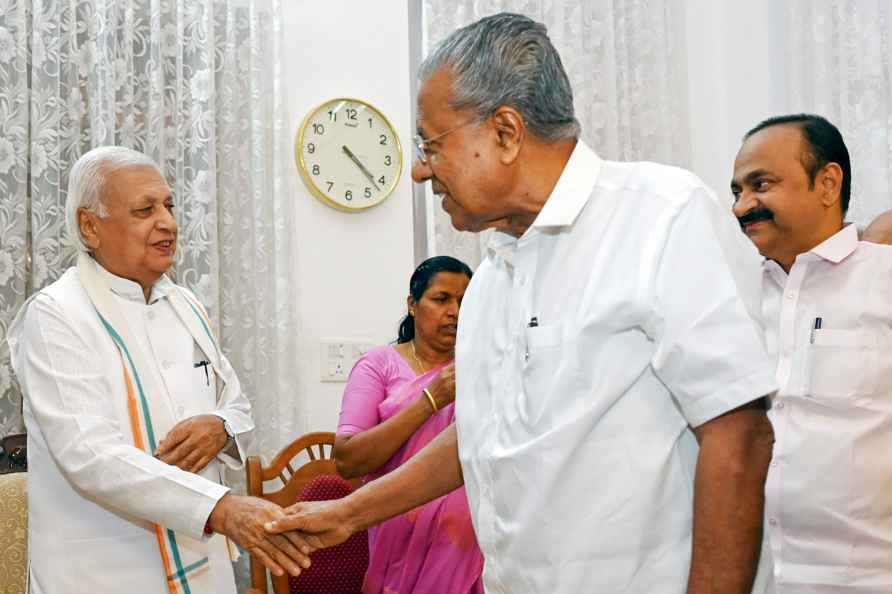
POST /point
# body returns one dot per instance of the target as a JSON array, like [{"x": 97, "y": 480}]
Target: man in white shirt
[
  {"x": 827, "y": 315},
  {"x": 610, "y": 428},
  {"x": 130, "y": 408}
]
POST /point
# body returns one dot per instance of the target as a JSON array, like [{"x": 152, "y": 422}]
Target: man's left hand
[{"x": 193, "y": 442}]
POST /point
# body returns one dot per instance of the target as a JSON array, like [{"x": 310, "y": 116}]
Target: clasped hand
[{"x": 192, "y": 443}]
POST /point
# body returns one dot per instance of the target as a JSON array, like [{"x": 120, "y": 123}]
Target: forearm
[
  {"x": 728, "y": 508},
  {"x": 365, "y": 452},
  {"x": 431, "y": 473}
]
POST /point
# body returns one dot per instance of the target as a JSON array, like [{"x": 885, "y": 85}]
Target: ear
[
  {"x": 86, "y": 222},
  {"x": 410, "y": 303},
  {"x": 830, "y": 181},
  {"x": 510, "y": 131}
]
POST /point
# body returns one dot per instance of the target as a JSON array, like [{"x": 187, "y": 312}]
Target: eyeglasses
[{"x": 421, "y": 143}]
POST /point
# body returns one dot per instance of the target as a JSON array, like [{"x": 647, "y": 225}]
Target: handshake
[{"x": 282, "y": 539}]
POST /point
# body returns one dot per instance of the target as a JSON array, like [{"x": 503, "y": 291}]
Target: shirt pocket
[
  {"x": 550, "y": 375},
  {"x": 843, "y": 364}
]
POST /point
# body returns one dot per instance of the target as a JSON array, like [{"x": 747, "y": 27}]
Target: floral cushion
[{"x": 13, "y": 532}]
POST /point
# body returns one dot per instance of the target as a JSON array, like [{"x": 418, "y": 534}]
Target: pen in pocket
[
  {"x": 815, "y": 327},
  {"x": 204, "y": 364}
]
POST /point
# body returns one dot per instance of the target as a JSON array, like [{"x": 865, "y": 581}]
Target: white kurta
[
  {"x": 587, "y": 349},
  {"x": 829, "y": 490},
  {"x": 92, "y": 495}
]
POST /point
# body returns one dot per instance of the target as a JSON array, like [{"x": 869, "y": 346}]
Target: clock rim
[{"x": 318, "y": 192}]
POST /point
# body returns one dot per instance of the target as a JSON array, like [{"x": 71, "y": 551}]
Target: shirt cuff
[{"x": 733, "y": 395}]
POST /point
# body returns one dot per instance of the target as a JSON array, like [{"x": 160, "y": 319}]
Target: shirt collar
[
  {"x": 572, "y": 190},
  {"x": 834, "y": 249},
  {"x": 131, "y": 290},
  {"x": 838, "y": 246}
]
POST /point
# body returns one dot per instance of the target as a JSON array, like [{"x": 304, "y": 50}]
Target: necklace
[{"x": 417, "y": 360}]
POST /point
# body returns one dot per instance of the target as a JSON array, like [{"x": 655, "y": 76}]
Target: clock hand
[{"x": 362, "y": 168}]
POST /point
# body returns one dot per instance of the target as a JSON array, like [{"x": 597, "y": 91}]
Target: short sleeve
[
  {"x": 366, "y": 388},
  {"x": 708, "y": 350}
]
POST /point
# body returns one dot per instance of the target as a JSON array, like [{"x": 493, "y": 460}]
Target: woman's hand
[{"x": 442, "y": 388}]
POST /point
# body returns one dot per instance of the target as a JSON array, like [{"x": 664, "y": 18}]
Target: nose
[
  {"x": 421, "y": 172},
  {"x": 745, "y": 202},
  {"x": 166, "y": 221}
]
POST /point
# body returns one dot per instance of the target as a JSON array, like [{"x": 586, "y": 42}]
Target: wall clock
[{"x": 348, "y": 154}]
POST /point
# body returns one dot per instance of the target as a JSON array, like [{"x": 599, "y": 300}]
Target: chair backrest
[
  {"x": 297, "y": 467},
  {"x": 13, "y": 532}
]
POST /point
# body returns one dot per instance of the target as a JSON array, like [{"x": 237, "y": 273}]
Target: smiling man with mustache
[{"x": 827, "y": 317}]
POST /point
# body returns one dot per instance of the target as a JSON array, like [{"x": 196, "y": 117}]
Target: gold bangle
[{"x": 430, "y": 398}]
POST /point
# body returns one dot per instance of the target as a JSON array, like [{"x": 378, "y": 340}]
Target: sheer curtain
[
  {"x": 839, "y": 64},
  {"x": 626, "y": 64},
  {"x": 196, "y": 85}
]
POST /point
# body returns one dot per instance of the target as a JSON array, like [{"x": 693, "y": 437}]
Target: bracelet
[{"x": 430, "y": 398}]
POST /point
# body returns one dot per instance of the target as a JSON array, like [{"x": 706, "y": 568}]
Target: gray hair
[
  {"x": 86, "y": 183},
  {"x": 507, "y": 59}
]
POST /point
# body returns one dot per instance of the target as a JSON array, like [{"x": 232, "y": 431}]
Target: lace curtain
[
  {"x": 839, "y": 64},
  {"x": 197, "y": 85},
  {"x": 626, "y": 64}
]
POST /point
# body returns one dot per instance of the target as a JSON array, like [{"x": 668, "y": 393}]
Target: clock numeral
[
  {"x": 311, "y": 148},
  {"x": 381, "y": 180},
  {"x": 370, "y": 122},
  {"x": 351, "y": 114},
  {"x": 315, "y": 169},
  {"x": 318, "y": 129},
  {"x": 368, "y": 192},
  {"x": 348, "y": 195},
  {"x": 332, "y": 116},
  {"x": 382, "y": 140},
  {"x": 330, "y": 186},
  {"x": 387, "y": 160}
]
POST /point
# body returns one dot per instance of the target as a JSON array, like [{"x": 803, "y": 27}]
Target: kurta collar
[{"x": 131, "y": 290}]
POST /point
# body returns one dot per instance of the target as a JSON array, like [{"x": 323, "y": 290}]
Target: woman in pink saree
[{"x": 397, "y": 399}]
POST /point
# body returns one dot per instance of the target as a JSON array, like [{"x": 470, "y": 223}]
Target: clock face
[{"x": 349, "y": 154}]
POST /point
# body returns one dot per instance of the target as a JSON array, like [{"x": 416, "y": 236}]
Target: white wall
[{"x": 354, "y": 267}]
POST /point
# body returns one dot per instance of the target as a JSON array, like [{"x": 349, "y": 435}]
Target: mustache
[{"x": 756, "y": 214}]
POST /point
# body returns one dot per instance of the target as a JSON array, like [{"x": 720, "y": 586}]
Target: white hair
[{"x": 86, "y": 183}]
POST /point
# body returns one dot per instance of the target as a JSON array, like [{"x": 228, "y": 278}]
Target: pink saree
[{"x": 431, "y": 549}]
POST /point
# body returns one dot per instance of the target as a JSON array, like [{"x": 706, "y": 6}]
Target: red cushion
[{"x": 340, "y": 569}]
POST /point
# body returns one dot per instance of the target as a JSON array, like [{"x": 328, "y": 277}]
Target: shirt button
[
  {"x": 772, "y": 521},
  {"x": 790, "y": 295},
  {"x": 774, "y": 463},
  {"x": 780, "y": 405}
]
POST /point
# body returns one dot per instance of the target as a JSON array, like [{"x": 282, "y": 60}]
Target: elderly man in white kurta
[
  {"x": 130, "y": 407},
  {"x": 610, "y": 425},
  {"x": 827, "y": 314}
]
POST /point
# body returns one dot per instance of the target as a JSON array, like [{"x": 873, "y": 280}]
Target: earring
[{"x": 412, "y": 313}]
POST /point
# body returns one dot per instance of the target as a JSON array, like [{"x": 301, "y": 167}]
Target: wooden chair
[{"x": 295, "y": 477}]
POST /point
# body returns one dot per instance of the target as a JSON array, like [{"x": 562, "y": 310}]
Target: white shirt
[
  {"x": 91, "y": 493},
  {"x": 575, "y": 435},
  {"x": 829, "y": 490}
]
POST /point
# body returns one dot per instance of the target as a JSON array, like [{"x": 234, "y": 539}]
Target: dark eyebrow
[{"x": 750, "y": 177}]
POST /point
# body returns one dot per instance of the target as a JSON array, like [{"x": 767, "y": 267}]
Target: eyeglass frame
[{"x": 420, "y": 141}]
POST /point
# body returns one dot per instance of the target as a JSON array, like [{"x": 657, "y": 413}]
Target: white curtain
[
  {"x": 839, "y": 65},
  {"x": 196, "y": 85},
  {"x": 626, "y": 64}
]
